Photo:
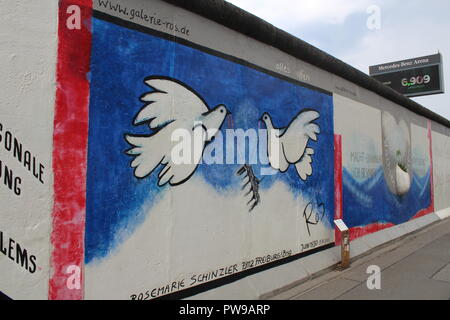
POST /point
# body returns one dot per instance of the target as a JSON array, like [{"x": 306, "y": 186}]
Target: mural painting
[
  {"x": 199, "y": 167},
  {"x": 385, "y": 160},
  {"x": 173, "y": 156}
]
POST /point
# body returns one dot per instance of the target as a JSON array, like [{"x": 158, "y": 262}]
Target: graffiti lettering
[
  {"x": 357, "y": 156},
  {"x": 248, "y": 264},
  {"x": 140, "y": 14},
  {"x": 12, "y": 145},
  {"x": 362, "y": 157},
  {"x": 135, "y": 14},
  {"x": 363, "y": 173},
  {"x": 272, "y": 257},
  {"x": 310, "y": 245},
  {"x": 318, "y": 215},
  {"x": 201, "y": 278},
  {"x": 160, "y": 291},
  {"x": 283, "y": 67},
  {"x": 15, "y": 252},
  {"x": 314, "y": 244},
  {"x": 196, "y": 279},
  {"x": 11, "y": 181},
  {"x": 346, "y": 90},
  {"x": 266, "y": 259},
  {"x": 302, "y": 76}
]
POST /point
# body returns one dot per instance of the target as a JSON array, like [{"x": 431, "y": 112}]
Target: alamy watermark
[
  {"x": 374, "y": 280},
  {"x": 234, "y": 146},
  {"x": 74, "y": 279},
  {"x": 374, "y": 19},
  {"x": 73, "y": 21}
]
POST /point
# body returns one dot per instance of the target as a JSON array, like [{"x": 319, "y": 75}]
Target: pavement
[{"x": 415, "y": 267}]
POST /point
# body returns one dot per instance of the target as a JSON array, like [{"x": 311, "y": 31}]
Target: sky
[{"x": 350, "y": 31}]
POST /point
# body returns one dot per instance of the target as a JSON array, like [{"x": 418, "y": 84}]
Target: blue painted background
[
  {"x": 121, "y": 59},
  {"x": 372, "y": 202}
]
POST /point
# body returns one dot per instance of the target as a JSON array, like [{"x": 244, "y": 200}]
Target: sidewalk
[{"x": 416, "y": 267}]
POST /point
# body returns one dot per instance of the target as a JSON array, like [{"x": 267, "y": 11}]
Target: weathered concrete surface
[
  {"x": 28, "y": 55},
  {"x": 415, "y": 267}
]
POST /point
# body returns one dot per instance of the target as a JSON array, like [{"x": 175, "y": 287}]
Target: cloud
[
  {"x": 408, "y": 29},
  {"x": 411, "y": 33},
  {"x": 304, "y": 11}
]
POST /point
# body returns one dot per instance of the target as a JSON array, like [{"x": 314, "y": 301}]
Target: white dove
[
  {"x": 288, "y": 146},
  {"x": 172, "y": 106}
]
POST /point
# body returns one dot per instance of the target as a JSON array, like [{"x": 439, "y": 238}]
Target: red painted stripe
[
  {"x": 70, "y": 150},
  {"x": 423, "y": 212},
  {"x": 359, "y": 232},
  {"x": 430, "y": 209},
  {"x": 338, "y": 205}
]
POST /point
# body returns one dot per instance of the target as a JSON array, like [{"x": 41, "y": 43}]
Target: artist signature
[{"x": 313, "y": 217}]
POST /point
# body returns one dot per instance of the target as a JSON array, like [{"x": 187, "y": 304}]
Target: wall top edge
[{"x": 250, "y": 25}]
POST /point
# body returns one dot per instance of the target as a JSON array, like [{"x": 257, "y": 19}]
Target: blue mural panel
[
  {"x": 121, "y": 60},
  {"x": 386, "y": 172}
]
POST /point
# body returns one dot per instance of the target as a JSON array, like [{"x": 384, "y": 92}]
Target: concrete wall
[
  {"x": 28, "y": 44},
  {"x": 386, "y": 159},
  {"x": 441, "y": 166},
  {"x": 128, "y": 222}
]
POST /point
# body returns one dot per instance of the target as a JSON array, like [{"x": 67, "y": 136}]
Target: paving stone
[{"x": 443, "y": 274}]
